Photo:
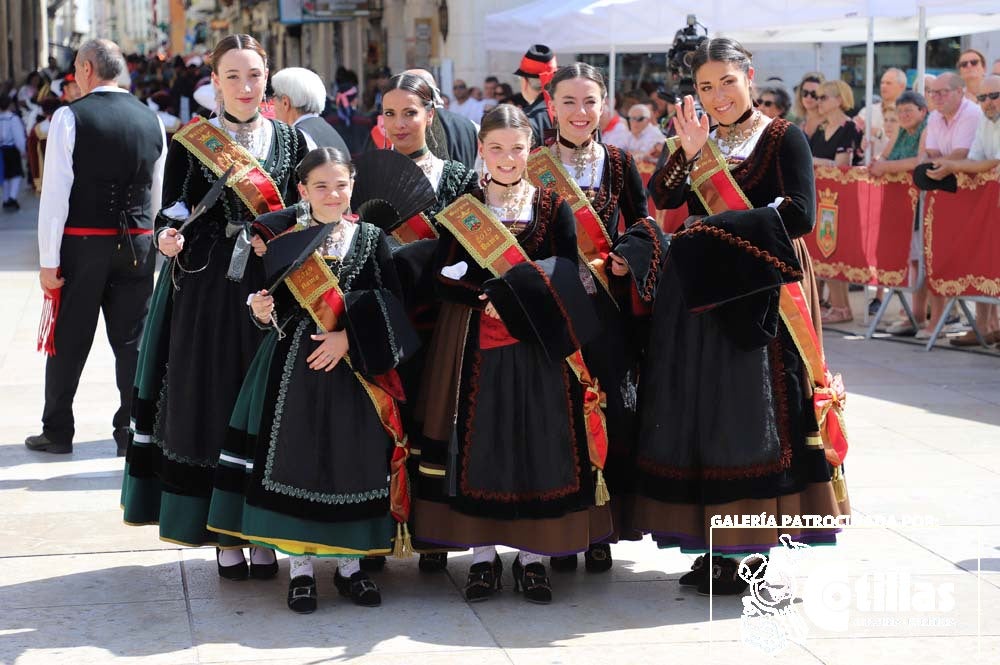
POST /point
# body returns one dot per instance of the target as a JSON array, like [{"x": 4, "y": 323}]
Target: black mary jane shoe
[
  {"x": 302, "y": 596},
  {"x": 533, "y": 581},
  {"x": 484, "y": 579},
  {"x": 236, "y": 572},
  {"x": 372, "y": 564},
  {"x": 699, "y": 571},
  {"x": 725, "y": 578},
  {"x": 597, "y": 559},
  {"x": 563, "y": 564},
  {"x": 262, "y": 571},
  {"x": 433, "y": 562},
  {"x": 359, "y": 587}
]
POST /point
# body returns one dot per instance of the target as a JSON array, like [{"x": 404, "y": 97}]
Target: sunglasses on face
[
  {"x": 968, "y": 63},
  {"x": 809, "y": 93},
  {"x": 988, "y": 95},
  {"x": 767, "y": 103}
]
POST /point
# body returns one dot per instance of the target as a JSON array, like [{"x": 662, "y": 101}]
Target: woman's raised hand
[{"x": 691, "y": 130}]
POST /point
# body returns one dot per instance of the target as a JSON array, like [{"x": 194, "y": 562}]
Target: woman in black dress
[
  {"x": 726, "y": 418},
  {"x": 199, "y": 341},
  {"x": 837, "y": 142}
]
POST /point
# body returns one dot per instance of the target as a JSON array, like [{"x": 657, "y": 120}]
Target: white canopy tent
[{"x": 630, "y": 26}]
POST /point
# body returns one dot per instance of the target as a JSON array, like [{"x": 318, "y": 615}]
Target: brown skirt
[
  {"x": 571, "y": 533},
  {"x": 437, "y": 401},
  {"x": 687, "y": 525}
]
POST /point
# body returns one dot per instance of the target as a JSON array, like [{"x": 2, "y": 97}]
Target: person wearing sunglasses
[
  {"x": 806, "y": 111},
  {"x": 773, "y": 101},
  {"x": 951, "y": 128},
  {"x": 645, "y": 140},
  {"x": 984, "y": 155},
  {"x": 971, "y": 66}
]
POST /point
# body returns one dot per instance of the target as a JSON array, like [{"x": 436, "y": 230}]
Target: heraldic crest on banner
[{"x": 826, "y": 222}]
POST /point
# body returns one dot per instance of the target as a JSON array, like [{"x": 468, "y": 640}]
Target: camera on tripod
[{"x": 686, "y": 40}]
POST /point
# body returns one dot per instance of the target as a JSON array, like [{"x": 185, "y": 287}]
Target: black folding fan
[{"x": 389, "y": 189}]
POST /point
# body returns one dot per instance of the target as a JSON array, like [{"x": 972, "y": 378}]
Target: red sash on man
[
  {"x": 718, "y": 191},
  {"x": 592, "y": 239},
  {"x": 496, "y": 249}
]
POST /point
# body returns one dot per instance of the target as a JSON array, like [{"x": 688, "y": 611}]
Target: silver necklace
[
  {"x": 735, "y": 138},
  {"x": 579, "y": 159},
  {"x": 512, "y": 200}
]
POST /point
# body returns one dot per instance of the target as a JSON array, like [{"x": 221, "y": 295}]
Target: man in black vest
[
  {"x": 102, "y": 185},
  {"x": 299, "y": 97},
  {"x": 537, "y": 66}
]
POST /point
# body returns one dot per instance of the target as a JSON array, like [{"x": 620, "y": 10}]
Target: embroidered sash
[
  {"x": 592, "y": 239},
  {"x": 317, "y": 290},
  {"x": 216, "y": 150},
  {"x": 718, "y": 191},
  {"x": 495, "y": 248}
]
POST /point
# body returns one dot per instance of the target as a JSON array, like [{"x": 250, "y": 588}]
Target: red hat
[{"x": 537, "y": 60}]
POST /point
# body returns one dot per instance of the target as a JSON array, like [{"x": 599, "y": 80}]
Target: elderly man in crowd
[
  {"x": 299, "y": 98},
  {"x": 892, "y": 85},
  {"x": 951, "y": 129},
  {"x": 645, "y": 140},
  {"x": 984, "y": 155},
  {"x": 464, "y": 104}
]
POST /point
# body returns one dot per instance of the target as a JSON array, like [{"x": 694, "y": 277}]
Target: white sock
[
  {"x": 349, "y": 566},
  {"x": 528, "y": 557},
  {"x": 231, "y": 558},
  {"x": 300, "y": 565},
  {"x": 262, "y": 555},
  {"x": 15, "y": 187},
  {"x": 484, "y": 554}
]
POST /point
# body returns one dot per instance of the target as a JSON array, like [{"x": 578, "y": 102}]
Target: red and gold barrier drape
[
  {"x": 962, "y": 237},
  {"x": 863, "y": 225}
]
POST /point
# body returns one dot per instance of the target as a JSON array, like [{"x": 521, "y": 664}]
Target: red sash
[
  {"x": 496, "y": 249},
  {"x": 216, "y": 150},
  {"x": 592, "y": 239},
  {"x": 718, "y": 191}
]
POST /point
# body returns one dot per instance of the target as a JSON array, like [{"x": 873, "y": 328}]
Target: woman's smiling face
[{"x": 724, "y": 90}]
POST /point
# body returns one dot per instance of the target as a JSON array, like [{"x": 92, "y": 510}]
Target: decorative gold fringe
[
  {"x": 601, "y": 494},
  {"x": 839, "y": 484},
  {"x": 402, "y": 548}
]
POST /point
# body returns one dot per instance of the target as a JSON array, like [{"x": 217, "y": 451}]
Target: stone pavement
[{"x": 77, "y": 586}]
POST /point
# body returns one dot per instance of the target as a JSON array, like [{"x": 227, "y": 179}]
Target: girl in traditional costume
[
  {"x": 316, "y": 434},
  {"x": 198, "y": 340},
  {"x": 620, "y": 248},
  {"x": 735, "y": 383},
  {"x": 518, "y": 469}
]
